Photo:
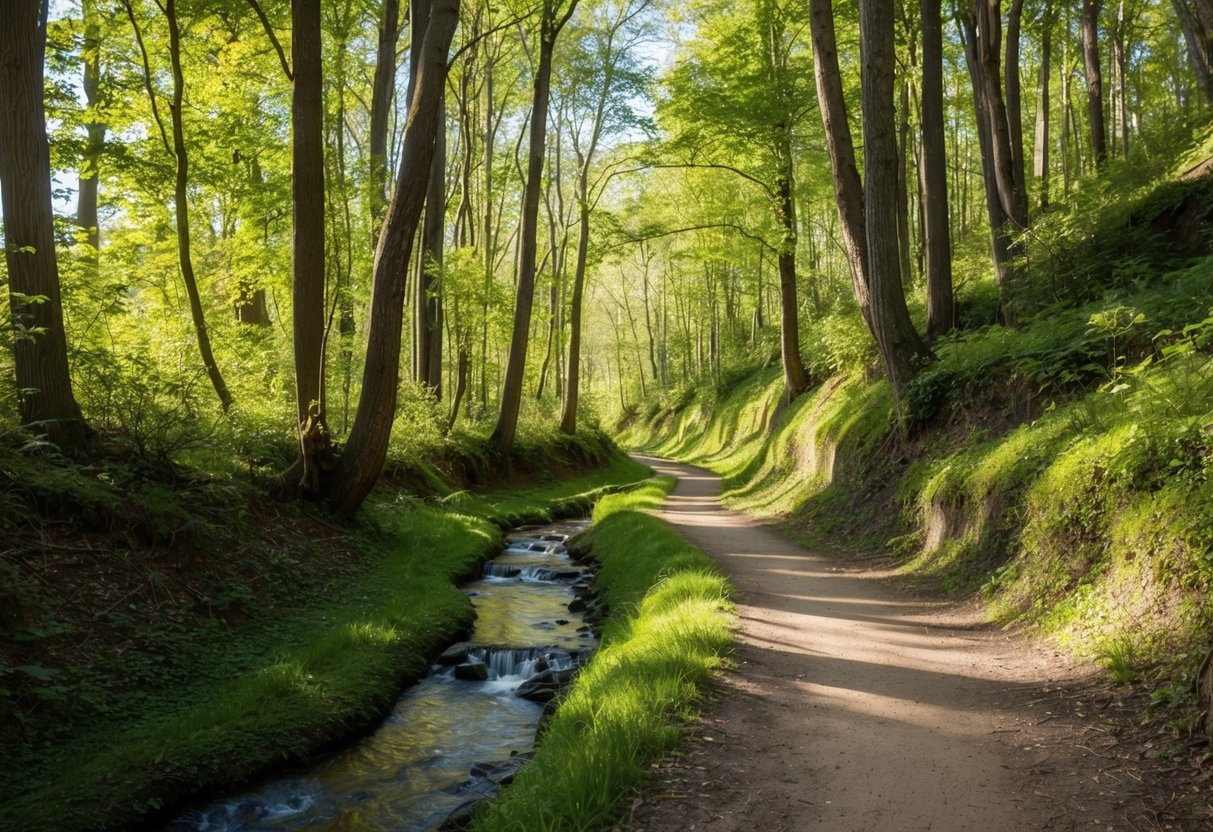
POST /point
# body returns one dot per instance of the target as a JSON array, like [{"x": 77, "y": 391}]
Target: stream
[{"x": 458, "y": 733}]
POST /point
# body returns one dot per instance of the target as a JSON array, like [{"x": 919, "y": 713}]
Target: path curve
[{"x": 854, "y": 706}]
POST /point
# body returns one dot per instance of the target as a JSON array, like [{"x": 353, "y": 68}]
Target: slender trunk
[
  {"x": 382, "y": 88},
  {"x": 1120, "y": 63},
  {"x": 901, "y": 348},
  {"x": 362, "y": 459},
  {"x": 181, "y": 208},
  {"x": 795, "y": 377},
  {"x": 1040, "y": 155},
  {"x": 46, "y": 401},
  {"x": 427, "y": 301},
  {"x": 308, "y": 254},
  {"x": 511, "y": 392},
  {"x": 1011, "y": 82},
  {"x": 903, "y": 194},
  {"x": 572, "y": 389},
  {"x": 934, "y": 177},
  {"x": 1089, "y": 21},
  {"x": 1065, "y": 110},
  {"x": 848, "y": 190},
  {"x": 1196, "y": 21},
  {"x": 86, "y": 204}
]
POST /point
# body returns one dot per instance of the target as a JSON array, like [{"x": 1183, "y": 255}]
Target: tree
[
  {"x": 308, "y": 260},
  {"x": 552, "y": 20},
  {"x": 181, "y": 206},
  {"x": 901, "y": 348},
  {"x": 608, "y": 79},
  {"x": 736, "y": 103},
  {"x": 934, "y": 177},
  {"x": 361, "y": 461},
  {"x": 86, "y": 198},
  {"x": 1196, "y": 20},
  {"x": 848, "y": 189},
  {"x": 40, "y": 349},
  {"x": 1089, "y": 24},
  {"x": 381, "y": 103}
]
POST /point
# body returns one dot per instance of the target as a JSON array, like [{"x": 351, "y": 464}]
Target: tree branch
[{"x": 269, "y": 31}]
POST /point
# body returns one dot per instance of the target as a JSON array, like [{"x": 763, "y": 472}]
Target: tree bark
[
  {"x": 848, "y": 190},
  {"x": 382, "y": 87},
  {"x": 1011, "y": 82},
  {"x": 181, "y": 209},
  {"x": 427, "y": 308},
  {"x": 46, "y": 401},
  {"x": 362, "y": 459},
  {"x": 511, "y": 391},
  {"x": 1089, "y": 22},
  {"x": 901, "y": 348},
  {"x": 903, "y": 191},
  {"x": 86, "y": 203},
  {"x": 934, "y": 177},
  {"x": 1040, "y": 156},
  {"x": 1196, "y": 21},
  {"x": 307, "y": 243}
]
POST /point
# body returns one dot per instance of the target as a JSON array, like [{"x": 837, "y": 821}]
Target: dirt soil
[{"x": 857, "y": 706}]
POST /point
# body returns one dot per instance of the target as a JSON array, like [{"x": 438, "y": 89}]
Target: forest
[{"x": 309, "y": 304}]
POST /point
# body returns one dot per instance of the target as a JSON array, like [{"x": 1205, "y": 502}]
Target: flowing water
[{"x": 416, "y": 768}]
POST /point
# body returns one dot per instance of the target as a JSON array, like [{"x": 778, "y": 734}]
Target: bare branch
[{"x": 269, "y": 31}]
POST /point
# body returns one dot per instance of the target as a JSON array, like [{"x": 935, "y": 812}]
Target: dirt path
[{"x": 857, "y": 707}]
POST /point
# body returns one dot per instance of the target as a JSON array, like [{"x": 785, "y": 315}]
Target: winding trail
[{"x": 857, "y": 707}]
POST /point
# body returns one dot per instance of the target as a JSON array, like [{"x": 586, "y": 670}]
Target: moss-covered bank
[
  {"x": 211, "y": 699},
  {"x": 667, "y": 634}
]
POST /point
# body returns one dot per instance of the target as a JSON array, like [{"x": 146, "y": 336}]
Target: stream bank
[{"x": 258, "y": 691}]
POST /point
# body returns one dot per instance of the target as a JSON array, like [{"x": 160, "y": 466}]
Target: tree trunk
[
  {"x": 903, "y": 192},
  {"x": 511, "y": 391},
  {"x": 1089, "y": 22},
  {"x": 795, "y": 378},
  {"x": 978, "y": 55},
  {"x": 308, "y": 232},
  {"x": 362, "y": 459},
  {"x": 46, "y": 401},
  {"x": 86, "y": 204},
  {"x": 181, "y": 207},
  {"x": 1040, "y": 156},
  {"x": 901, "y": 348},
  {"x": 427, "y": 309},
  {"x": 568, "y": 413},
  {"x": 1011, "y": 82},
  {"x": 934, "y": 177},
  {"x": 848, "y": 191},
  {"x": 1196, "y": 20},
  {"x": 382, "y": 87}
]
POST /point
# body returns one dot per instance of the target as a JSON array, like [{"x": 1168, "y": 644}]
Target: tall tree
[
  {"x": 901, "y": 348},
  {"x": 181, "y": 207},
  {"x": 382, "y": 88},
  {"x": 737, "y": 102},
  {"x": 94, "y": 127},
  {"x": 848, "y": 189},
  {"x": 1089, "y": 24},
  {"x": 1196, "y": 20},
  {"x": 553, "y": 17},
  {"x": 613, "y": 79},
  {"x": 934, "y": 176},
  {"x": 1040, "y": 155},
  {"x": 40, "y": 347},
  {"x": 361, "y": 461},
  {"x": 308, "y": 261}
]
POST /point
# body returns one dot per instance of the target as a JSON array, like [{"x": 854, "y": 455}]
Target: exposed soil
[{"x": 858, "y": 706}]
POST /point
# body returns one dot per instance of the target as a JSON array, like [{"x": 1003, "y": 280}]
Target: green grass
[
  {"x": 280, "y": 689},
  {"x": 668, "y": 634}
]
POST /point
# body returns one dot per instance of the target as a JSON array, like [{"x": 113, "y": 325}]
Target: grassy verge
[
  {"x": 281, "y": 686},
  {"x": 669, "y": 631}
]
